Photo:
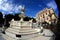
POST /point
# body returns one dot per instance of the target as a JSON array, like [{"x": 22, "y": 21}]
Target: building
[{"x": 46, "y": 15}]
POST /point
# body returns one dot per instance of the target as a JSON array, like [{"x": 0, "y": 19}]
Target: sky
[{"x": 32, "y": 7}]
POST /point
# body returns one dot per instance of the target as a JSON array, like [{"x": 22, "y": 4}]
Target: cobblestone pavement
[
  {"x": 37, "y": 38},
  {"x": 1, "y": 38}
]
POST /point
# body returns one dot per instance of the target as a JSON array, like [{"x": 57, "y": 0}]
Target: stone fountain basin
[
  {"x": 27, "y": 34},
  {"x": 23, "y": 32}
]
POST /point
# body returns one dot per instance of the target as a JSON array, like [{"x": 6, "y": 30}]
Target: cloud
[
  {"x": 17, "y": 8},
  {"x": 52, "y": 4},
  {"x": 8, "y": 7}
]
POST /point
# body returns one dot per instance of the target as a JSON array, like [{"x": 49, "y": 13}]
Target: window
[
  {"x": 51, "y": 11},
  {"x": 46, "y": 13},
  {"x": 43, "y": 15},
  {"x": 47, "y": 18}
]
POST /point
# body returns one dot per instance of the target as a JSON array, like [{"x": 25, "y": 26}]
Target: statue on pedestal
[{"x": 22, "y": 13}]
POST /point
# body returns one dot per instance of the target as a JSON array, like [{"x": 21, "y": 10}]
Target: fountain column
[{"x": 22, "y": 15}]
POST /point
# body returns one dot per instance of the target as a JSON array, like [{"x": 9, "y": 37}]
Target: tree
[
  {"x": 16, "y": 16},
  {"x": 26, "y": 18},
  {"x": 1, "y": 19},
  {"x": 7, "y": 19},
  {"x": 58, "y": 24},
  {"x": 58, "y": 5}
]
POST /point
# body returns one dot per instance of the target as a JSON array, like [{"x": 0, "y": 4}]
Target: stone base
[
  {"x": 6, "y": 37},
  {"x": 22, "y": 33},
  {"x": 26, "y": 34}
]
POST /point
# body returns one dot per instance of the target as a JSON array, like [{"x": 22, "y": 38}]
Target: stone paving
[
  {"x": 35, "y": 38},
  {"x": 1, "y": 38}
]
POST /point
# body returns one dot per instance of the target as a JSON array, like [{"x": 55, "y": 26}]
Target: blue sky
[{"x": 31, "y": 6}]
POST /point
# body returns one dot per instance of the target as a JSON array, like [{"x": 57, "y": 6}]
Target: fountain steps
[
  {"x": 7, "y": 37},
  {"x": 21, "y": 31}
]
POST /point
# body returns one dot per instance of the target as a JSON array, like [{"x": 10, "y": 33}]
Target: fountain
[{"x": 23, "y": 30}]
